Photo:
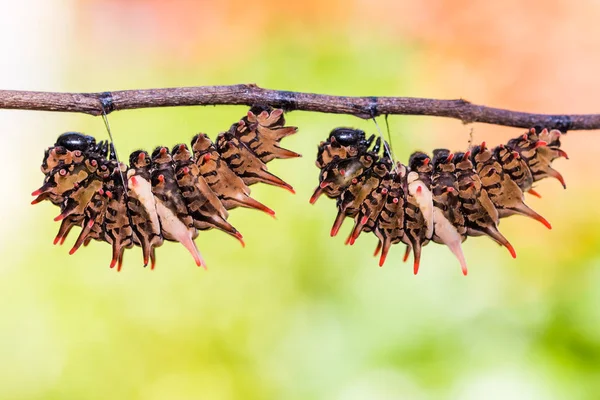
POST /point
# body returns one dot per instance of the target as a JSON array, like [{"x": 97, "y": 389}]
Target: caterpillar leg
[
  {"x": 555, "y": 174},
  {"x": 525, "y": 210},
  {"x": 377, "y": 249},
  {"x": 239, "y": 237},
  {"x": 120, "y": 263},
  {"x": 562, "y": 153},
  {"x": 226, "y": 227},
  {"x": 337, "y": 224},
  {"x": 495, "y": 234},
  {"x": 65, "y": 227},
  {"x": 269, "y": 178},
  {"x": 448, "y": 235},
  {"x": 317, "y": 193},
  {"x": 117, "y": 255},
  {"x": 456, "y": 248},
  {"x": 385, "y": 248},
  {"x": 358, "y": 225},
  {"x": 406, "y": 253},
  {"x": 40, "y": 198},
  {"x": 152, "y": 258},
  {"x": 146, "y": 249},
  {"x": 190, "y": 245},
  {"x": 416, "y": 247},
  {"x": 82, "y": 236},
  {"x": 249, "y": 202},
  {"x": 44, "y": 189},
  {"x": 285, "y": 153}
]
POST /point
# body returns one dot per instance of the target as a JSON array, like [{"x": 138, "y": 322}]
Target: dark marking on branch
[
  {"x": 562, "y": 123},
  {"x": 287, "y": 101},
  {"x": 373, "y": 107},
  {"x": 107, "y": 102}
]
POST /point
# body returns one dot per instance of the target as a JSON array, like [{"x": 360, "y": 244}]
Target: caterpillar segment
[
  {"x": 445, "y": 198},
  {"x": 245, "y": 163},
  {"x": 204, "y": 206},
  {"x": 539, "y": 154},
  {"x": 141, "y": 204},
  {"x": 361, "y": 199},
  {"x": 116, "y": 225},
  {"x": 371, "y": 207},
  {"x": 164, "y": 196},
  {"x": 389, "y": 223},
  {"x": 349, "y": 157},
  {"x": 449, "y": 222},
  {"x": 342, "y": 143},
  {"x": 480, "y": 215},
  {"x": 229, "y": 187},
  {"x": 261, "y": 130},
  {"x": 176, "y": 223},
  {"x": 419, "y": 186},
  {"x": 93, "y": 221},
  {"x": 514, "y": 166},
  {"x": 505, "y": 194}
]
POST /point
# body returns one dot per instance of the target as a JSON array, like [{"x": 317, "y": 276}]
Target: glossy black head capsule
[
  {"x": 475, "y": 151},
  {"x": 257, "y": 109},
  {"x": 75, "y": 141},
  {"x": 417, "y": 160},
  {"x": 458, "y": 157},
  {"x": 498, "y": 150},
  {"x": 179, "y": 148},
  {"x": 139, "y": 159},
  {"x": 161, "y": 155},
  {"x": 348, "y": 136},
  {"x": 440, "y": 156}
]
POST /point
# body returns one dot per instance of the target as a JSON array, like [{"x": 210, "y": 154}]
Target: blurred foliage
[{"x": 296, "y": 314}]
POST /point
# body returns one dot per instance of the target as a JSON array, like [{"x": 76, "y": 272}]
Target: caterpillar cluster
[
  {"x": 168, "y": 195},
  {"x": 444, "y": 198}
]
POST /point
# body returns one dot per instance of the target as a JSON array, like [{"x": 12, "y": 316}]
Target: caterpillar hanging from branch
[
  {"x": 444, "y": 198},
  {"x": 166, "y": 195}
]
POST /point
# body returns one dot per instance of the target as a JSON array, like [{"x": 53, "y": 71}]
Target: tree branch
[{"x": 363, "y": 107}]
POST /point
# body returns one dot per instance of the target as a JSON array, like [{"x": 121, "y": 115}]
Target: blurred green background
[{"x": 296, "y": 314}]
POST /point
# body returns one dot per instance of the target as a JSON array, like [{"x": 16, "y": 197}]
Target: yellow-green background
[{"x": 296, "y": 314}]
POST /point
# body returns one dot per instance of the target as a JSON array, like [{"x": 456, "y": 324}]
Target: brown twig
[{"x": 363, "y": 107}]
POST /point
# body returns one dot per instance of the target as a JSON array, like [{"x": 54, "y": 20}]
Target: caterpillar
[
  {"x": 166, "y": 195},
  {"x": 443, "y": 198}
]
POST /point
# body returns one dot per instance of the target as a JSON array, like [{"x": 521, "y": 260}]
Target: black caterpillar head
[
  {"x": 349, "y": 137},
  {"x": 265, "y": 111},
  {"x": 161, "y": 155},
  {"x": 75, "y": 141},
  {"x": 419, "y": 161},
  {"x": 181, "y": 152},
  {"x": 441, "y": 156},
  {"x": 139, "y": 159},
  {"x": 462, "y": 161},
  {"x": 442, "y": 160},
  {"x": 477, "y": 156}
]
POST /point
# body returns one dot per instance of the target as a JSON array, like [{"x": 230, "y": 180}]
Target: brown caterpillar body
[
  {"x": 443, "y": 199},
  {"x": 164, "y": 196}
]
